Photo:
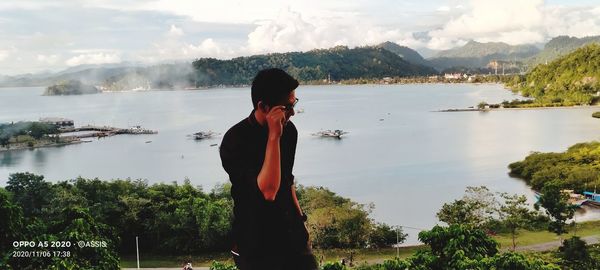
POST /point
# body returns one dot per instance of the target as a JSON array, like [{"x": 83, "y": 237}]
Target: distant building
[
  {"x": 454, "y": 76},
  {"x": 60, "y": 122}
]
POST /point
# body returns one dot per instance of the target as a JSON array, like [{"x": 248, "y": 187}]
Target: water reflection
[{"x": 11, "y": 158}]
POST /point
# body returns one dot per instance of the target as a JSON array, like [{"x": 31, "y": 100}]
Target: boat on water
[
  {"x": 204, "y": 135},
  {"x": 575, "y": 199},
  {"x": 331, "y": 133},
  {"x": 593, "y": 198}
]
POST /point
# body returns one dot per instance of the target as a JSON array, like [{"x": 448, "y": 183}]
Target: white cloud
[
  {"x": 291, "y": 32},
  {"x": 515, "y": 22},
  {"x": 48, "y": 32},
  {"x": 48, "y": 59},
  {"x": 94, "y": 58},
  {"x": 4, "y": 54},
  {"x": 443, "y": 9},
  {"x": 174, "y": 47},
  {"x": 175, "y": 31}
]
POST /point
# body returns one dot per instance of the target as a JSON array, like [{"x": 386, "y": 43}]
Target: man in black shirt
[{"x": 258, "y": 154}]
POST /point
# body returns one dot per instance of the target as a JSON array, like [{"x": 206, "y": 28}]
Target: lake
[{"x": 398, "y": 154}]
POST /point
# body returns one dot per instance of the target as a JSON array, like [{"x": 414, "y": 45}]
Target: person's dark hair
[{"x": 271, "y": 86}]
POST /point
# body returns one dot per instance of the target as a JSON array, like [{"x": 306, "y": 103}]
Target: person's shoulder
[
  {"x": 290, "y": 128},
  {"x": 236, "y": 131}
]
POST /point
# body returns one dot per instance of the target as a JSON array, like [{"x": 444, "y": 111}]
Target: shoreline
[
  {"x": 25, "y": 147},
  {"x": 519, "y": 109}
]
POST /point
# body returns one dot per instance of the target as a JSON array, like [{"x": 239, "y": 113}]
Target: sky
[{"x": 50, "y": 35}]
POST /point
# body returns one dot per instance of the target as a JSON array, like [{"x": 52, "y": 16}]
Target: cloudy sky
[{"x": 50, "y": 35}]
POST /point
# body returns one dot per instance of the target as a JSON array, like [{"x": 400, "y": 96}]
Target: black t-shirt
[{"x": 260, "y": 226}]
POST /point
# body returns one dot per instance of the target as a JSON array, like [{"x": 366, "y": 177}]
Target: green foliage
[
  {"x": 460, "y": 212},
  {"x": 36, "y": 130},
  {"x": 455, "y": 247},
  {"x": 573, "y": 79},
  {"x": 339, "y": 63},
  {"x": 169, "y": 219},
  {"x": 515, "y": 261},
  {"x": 406, "y": 53},
  {"x": 560, "y": 46},
  {"x": 474, "y": 56},
  {"x": 461, "y": 247},
  {"x": 70, "y": 87},
  {"x": 596, "y": 114},
  {"x": 575, "y": 169},
  {"x": 335, "y": 221},
  {"x": 515, "y": 214},
  {"x": 556, "y": 205},
  {"x": 576, "y": 255},
  {"x": 333, "y": 266},
  {"x": 30, "y": 192},
  {"x": 221, "y": 266},
  {"x": 382, "y": 235},
  {"x": 475, "y": 209},
  {"x": 11, "y": 222}
]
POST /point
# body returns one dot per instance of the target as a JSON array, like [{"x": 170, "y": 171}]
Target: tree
[
  {"x": 515, "y": 214},
  {"x": 459, "y": 212},
  {"x": 453, "y": 247},
  {"x": 382, "y": 235},
  {"x": 556, "y": 204},
  {"x": 515, "y": 261},
  {"x": 482, "y": 105},
  {"x": 475, "y": 208},
  {"x": 11, "y": 225},
  {"x": 576, "y": 255},
  {"x": 30, "y": 192},
  {"x": 334, "y": 221}
]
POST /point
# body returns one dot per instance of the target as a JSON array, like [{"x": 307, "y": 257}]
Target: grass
[
  {"x": 174, "y": 261},
  {"x": 364, "y": 255},
  {"x": 370, "y": 256},
  {"x": 525, "y": 238}
]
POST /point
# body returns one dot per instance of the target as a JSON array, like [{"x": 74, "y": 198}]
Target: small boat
[
  {"x": 575, "y": 199},
  {"x": 331, "y": 133},
  {"x": 204, "y": 135},
  {"x": 593, "y": 198}
]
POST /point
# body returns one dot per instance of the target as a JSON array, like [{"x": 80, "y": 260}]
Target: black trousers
[{"x": 289, "y": 262}]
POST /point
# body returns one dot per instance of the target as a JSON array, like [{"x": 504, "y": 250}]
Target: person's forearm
[{"x": 269, "y": 178}]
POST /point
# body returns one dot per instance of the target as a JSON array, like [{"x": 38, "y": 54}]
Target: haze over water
[{"x": 399, "y": 155}]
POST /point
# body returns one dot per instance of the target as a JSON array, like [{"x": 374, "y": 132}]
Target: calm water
[{"x": 399, "y": 155}]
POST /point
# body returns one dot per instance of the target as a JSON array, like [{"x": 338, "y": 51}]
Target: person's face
[{"x": 289, "y": 104}]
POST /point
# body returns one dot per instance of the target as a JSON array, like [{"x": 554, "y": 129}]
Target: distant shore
[
  {"x": 519, "y": 108},
  {"x": 24, "y": 146}
]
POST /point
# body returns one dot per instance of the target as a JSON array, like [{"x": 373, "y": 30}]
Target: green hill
[
  {"x": 406, "y": 53},
  {"x": 476, "y": 55},
  {"x": 338, "y": 63},
  {"x": 573, "y": 79},
  {"x": 560, "y": 46},
  {"x": 71, "y": 87}
]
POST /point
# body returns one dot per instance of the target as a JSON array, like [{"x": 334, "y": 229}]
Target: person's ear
[{"x": 264, "y": 108}]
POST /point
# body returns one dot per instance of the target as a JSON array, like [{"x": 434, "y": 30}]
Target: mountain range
[{"x": 338, "y": 63}]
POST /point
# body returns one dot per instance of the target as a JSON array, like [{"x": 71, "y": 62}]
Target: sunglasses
[{"x": 290, "y": 107}]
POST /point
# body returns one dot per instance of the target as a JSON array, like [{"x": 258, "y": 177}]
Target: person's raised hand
[{"x": 275, "y": 121}]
